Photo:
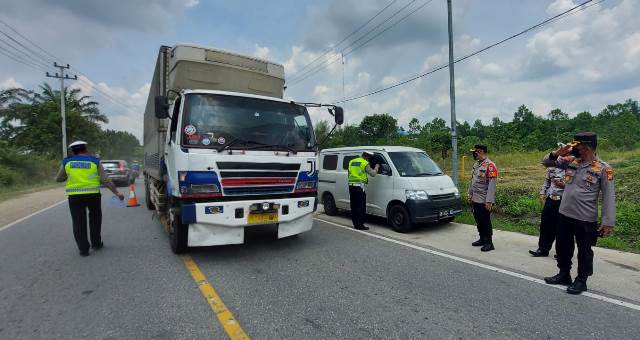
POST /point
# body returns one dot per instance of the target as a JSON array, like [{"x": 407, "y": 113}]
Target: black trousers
[
  {"x": 483, "y": 221},
  {"x": 78, "y": 205},
  {"x": 548, "y": 224},
  {"x": 585, "y": 235},
  {"x": 358, "y": 203}
]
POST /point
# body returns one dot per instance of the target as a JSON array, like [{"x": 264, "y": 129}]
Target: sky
[{"x": 579, "y": 63}]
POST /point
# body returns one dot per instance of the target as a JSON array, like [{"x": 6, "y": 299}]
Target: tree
[
  {"x": 414, "y": 126},
  {"x": 379, "y": 126}
]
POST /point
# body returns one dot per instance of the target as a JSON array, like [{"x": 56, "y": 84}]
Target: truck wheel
[
  {"x": 178, "y": 235},
  {"x": 329, "y": 205},
  {"x": 147, "y": 196},
  {"x": 399, "y": 218}
]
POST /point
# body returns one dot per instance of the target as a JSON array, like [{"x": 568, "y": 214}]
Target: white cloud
[
  {"x": 125, "y": 109},
  {"x": 9, "y": 83},
  {"x": 261, "y": 52},
  {"x": 191, "y": 3}
]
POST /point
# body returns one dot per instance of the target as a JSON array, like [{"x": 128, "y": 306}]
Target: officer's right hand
[
  {"x": 469, "y": 200},
  {"x": 120, "y": 196},
  {"x": 561, "y": 151},
  {"x": 541, "y": 198}
]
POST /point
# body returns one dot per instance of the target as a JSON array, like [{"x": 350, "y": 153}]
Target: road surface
[{"x": 330, "y": 282}]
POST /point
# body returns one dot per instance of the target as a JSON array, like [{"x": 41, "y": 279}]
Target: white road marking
[
  {"x": 30, "y": 215},
  {"x": 482, "y": 265}
]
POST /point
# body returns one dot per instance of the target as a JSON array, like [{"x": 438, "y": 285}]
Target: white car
[{"x": 410, "y": 188}]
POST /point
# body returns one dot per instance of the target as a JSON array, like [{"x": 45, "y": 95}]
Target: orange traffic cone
[{"x": 133, "y": 202}]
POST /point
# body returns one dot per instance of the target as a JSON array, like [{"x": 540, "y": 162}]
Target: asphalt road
[{"x": 327, "y": 283}]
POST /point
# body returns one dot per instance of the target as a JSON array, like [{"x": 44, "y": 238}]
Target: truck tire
[
  {"x": 147, "y": 196},
  {"x": 399, "y": 218},
  {"x": 329, "y": 204},
  {"x": 178, "y": 235}
]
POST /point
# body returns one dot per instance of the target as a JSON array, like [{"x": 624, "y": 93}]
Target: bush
[{"x": 7, "y": 176}]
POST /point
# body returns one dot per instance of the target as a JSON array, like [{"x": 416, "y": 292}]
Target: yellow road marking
[{"x": 228, "y": 322}]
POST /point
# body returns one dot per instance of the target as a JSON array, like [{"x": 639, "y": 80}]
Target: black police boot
[
  {"x": 478, "y": 243},
  {"x": 362, "y": 227},
  {"x": 98, "y": 246},
  {"x": 539, "y": 253},
  {"x": 559, "y": 279},
  {"x": 84, "y": 253},
  {"x": 578, "y": 286},
  {"x": 488, "y": 246}
]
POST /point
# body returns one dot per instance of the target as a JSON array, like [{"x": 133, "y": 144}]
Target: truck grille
[{"x": 245, "y": 178}]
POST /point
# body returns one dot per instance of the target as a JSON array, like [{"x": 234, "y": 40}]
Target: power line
[
  {"x": 25, "y": 56},
  {"x": 443, "y": 66},
  {"x": 344, "y": 39},
  {"x": 315, "y": 69},
  {"x": 18, "y": 60},
  {"x": 353, "y": 49},
  {"x": 28, "y": 40}
]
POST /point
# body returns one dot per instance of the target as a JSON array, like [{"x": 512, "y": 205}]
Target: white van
[{"x": 409, "y": 188}]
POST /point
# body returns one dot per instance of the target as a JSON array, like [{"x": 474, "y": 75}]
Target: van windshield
[
  {"x": 220, "y": 121},
  {"x": 414, "y": 164}
]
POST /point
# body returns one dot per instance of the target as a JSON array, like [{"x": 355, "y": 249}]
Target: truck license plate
[{"x": 263, "y": 218}]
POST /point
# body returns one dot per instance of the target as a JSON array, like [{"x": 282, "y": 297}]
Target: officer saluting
[
  {"x": 358, "y": 170},
  {"x": 585, "y": 176},
  {"x": 550, "y": 196},
  {"x": 84, "y": 174},
  {"x": 482, "y": 195}
]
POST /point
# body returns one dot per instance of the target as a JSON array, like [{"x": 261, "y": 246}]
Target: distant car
[
  {"x": 117, "y": 171},
  {"x": 135, "y": 170}
]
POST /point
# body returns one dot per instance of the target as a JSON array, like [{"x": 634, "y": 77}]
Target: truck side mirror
[
  {"x": 338, "y": 114},
  {"x": 162, "y": 107}
]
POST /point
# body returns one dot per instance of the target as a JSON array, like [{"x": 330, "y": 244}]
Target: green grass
[{"x": 517, "y": 208}]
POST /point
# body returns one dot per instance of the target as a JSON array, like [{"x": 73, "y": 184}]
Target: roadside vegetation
[
  {"x": 30, "y": 136},
  {"x": 517, "y": 147}
]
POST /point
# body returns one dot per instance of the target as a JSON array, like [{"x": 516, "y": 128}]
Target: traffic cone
[{"x": 133, "y": 202}]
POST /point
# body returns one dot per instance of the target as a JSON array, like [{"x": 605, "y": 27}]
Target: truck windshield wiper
[
  {"x": 283, "y": 146},
  {"x": 240, "y": 140}
]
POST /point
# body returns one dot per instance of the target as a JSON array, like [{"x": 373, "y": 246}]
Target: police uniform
[
  {"x": 83, "y": 175},
  {"x": 551, "y": 191},
  {"x": 584, "y": 181},
  {"x": 482, "y": 190},
  {"x": 359, "y": 170}
]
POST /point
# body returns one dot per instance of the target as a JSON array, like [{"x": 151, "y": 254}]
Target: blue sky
[{"x": 580, "y": 63}]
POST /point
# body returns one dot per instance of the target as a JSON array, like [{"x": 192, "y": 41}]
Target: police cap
[
  {"x": 77, "y": 144},
  {"x": 588, "y": 138},
  {"x": 480, "y": 147}
]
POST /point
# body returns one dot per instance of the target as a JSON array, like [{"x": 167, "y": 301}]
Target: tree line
[
  {"x": 617, "y": 126},
  {"x": 30, "y": 123}
]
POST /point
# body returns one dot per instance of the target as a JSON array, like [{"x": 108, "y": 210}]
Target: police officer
[
  {"x": 482, "y": 195},
  {"x": 586, "y": 176},
  {"x": 359, "y": 170},
  {"x": 84, "y": 174},
  {"x": 550, "y": 196}
]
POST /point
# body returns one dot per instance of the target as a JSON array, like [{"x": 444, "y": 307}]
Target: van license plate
[
  {"x": 445, "y": 213},
  {"x": 263, "y": 218}
]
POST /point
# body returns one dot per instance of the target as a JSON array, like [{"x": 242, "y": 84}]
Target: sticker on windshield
[
  {"x": 206, "y": 141},
  {"x": 221, "y": 140},
  {"x": 193, "y": 141},
  {"x": 190, "y": 130}
]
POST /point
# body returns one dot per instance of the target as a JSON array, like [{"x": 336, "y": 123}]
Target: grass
[{"x": 521, "y": 175}]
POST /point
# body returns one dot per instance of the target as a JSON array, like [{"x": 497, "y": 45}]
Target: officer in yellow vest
[
  {"x": 84, "y": 174},
  {"x": 358, "y": 170}
]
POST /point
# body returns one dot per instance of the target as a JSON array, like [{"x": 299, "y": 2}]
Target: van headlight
[
  {"x": 456, "y": 192},
  {"x": 416, "y": 195}
]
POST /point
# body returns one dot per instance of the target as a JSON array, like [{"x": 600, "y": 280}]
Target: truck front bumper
[{"x": 219, "y": 223}]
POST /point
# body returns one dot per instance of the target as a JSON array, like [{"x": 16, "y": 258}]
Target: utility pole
[
  {"x": 452, "y": 96},
  {"x": 62, "y": 77}
]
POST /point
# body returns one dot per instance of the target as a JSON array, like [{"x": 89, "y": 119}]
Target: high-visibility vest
[
  {"x": 82, "y": 175},
  {"x": 357, "y": 172}
]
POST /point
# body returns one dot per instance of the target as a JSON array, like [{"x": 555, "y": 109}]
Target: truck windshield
[
  {"x": 219, "y": 121},
  {"x": 414, "y": 164}
]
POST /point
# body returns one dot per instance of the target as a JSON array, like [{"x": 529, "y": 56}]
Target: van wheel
[
  {"x": 178, "y": 235},
  {"x": 399, "y": 218},
  {"x": 329, "y": 205},
  {"x": 147, "y": 196}
]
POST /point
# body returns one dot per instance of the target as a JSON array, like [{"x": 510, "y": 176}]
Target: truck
[{"x": 224, "y": 151}]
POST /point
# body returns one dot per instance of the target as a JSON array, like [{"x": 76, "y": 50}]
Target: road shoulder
[{"x": 21, "y": 206}]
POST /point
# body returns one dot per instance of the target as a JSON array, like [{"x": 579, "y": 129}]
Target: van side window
[
  {"x": 330, "y": 162},
  {"x": 346, "y": 160}
]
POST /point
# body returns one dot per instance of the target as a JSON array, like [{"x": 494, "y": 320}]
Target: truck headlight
[
  {"x": 306, "y": 185},
  {"x": 416, "y": 194},
  {"x": 203, "y": 189}
]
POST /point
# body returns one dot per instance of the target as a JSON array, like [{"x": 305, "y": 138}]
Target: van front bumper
[{"x": 424, "y": 211}]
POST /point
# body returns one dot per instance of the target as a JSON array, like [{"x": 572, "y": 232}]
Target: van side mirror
[
  {"x": 162, "y": 107},
  {"x": 338, "y": 115},
  {"x": 385, "y": 169}
]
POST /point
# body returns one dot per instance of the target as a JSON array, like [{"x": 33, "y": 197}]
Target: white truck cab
[{"x": 410, "y": 188}]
